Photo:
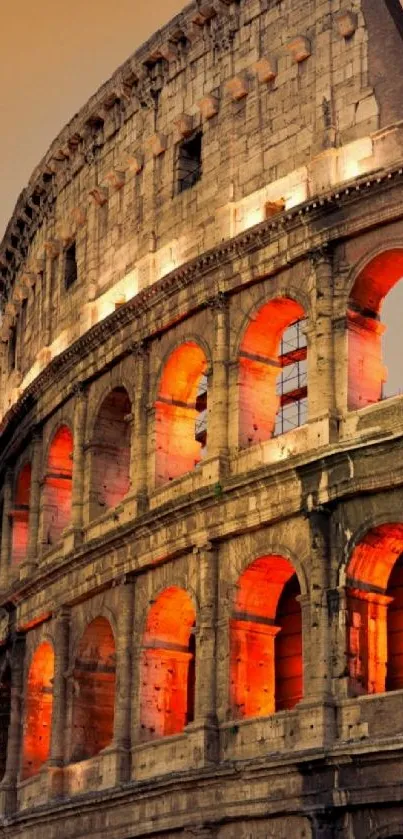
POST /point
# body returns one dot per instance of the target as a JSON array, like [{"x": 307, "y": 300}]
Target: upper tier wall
[{"x": 291, "y": 98}]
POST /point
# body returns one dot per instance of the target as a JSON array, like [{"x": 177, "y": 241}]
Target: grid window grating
[{"x": 292, "y": 382}]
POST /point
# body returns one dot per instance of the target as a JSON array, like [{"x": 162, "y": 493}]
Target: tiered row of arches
[
  {"x": 267, "y": 650},
  {"x": 273, "y": 362}
]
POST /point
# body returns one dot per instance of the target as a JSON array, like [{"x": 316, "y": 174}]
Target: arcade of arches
[
  {"x": 266, "y": 627},
  {"x": 266, "y": 641},
  {"x": 273, "y": 398}
]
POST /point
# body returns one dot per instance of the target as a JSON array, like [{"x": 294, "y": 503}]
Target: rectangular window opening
[
  {"x": 70, "y": 266},
  {"x": 292, "y": 382},
  {"x": 12, "y": 348},
  {"x": 189, "y": 169}
]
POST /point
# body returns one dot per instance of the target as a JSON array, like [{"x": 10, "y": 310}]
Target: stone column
[
  {"x": 52, "y": 276},
  {"x": 123, "y": 705},
  {"x": 320, "y": 676},
  {"x": 139, "y": 441},
  {"x": 318, "y": 700},
  {"x": 77, "y": 500},
  {"x": 8, "y": 786},
  {"x": 30, "y": 563},
  {"x": 206, "y": 648},
  {"x": 321, "y": 363},
  {"x": 6, "y": 531},
  {"x": 57, "y": 747},
  {"x": 217, "y": 429}
]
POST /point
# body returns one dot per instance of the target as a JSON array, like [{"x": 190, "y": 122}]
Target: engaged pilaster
[
  {"x": 206, "y": 645},
  {"x": 122, "y": 725},
  {"x": 317, "y": 630},
  {"x": 6, "y": 531},
  {"x": 57, "y": 748},
  {"x": 8, "y": 786},
  {"x": 77, "y": 502},
  {"x": 321, "y": 396},
  {"x": 29, "y": 565},
  {"x": 217, "y": 445},
  {"x": 139, "y": 443}
]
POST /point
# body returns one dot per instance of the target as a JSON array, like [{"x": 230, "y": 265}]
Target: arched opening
[
  {"x": 20, "y": 515},
  {"x": 94, "y": 691},
  {"x": 58, "y": 486},
  {"x": 273, "y": 372},
  {"x": 368, "y": 338},
  {"x": 5, "y": 712},
  {"x": 168, "y": 666},
  {"x": 266, "y": 640},
  {"x": 38, "y": 711},
  {"x": 375, "y": 612},
  {"x": 181, "y": 413},
  {"x": 110, "y": 453}
]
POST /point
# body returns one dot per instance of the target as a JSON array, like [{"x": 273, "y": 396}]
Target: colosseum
[{"x": 201, "y": 466}]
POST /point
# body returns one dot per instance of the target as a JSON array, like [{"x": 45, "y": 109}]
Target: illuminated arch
[
  {"x": 272, "y": 372},
  {"x": 20, "y": 515},
  {"x": 266, "y": 639},
  {"x": 181, "y": 412},
  {"x": 375, "y": 611},
  {"x": 57, "y": 490},
  {"x": 366, "y": 372},
  {"x": 168, "y": 665},
  {"x": 94, "y": 694},
  {"x": 38, "y": 710},
  {"x": 110, "y": 452}
]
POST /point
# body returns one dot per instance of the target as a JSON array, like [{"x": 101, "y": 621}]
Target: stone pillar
[
  {"x": 320, "y": 635},
  {"x": 253, "y": 692},
  {"x": 30, "y": 563},
  {"x": 318, "y": 700},
  {"x": 206, "y": 648},
  {"x": 321, "y": 364},
  {"x": 233, "y": 404},
  {"x": 123, "y": 704},
  {"x": 217, "y": 429},
  {"x": 8, "y": 786},
  {"x": 52, "y": 276},
  {"x": 6, "y": 531},
  {"x": 57, "y": 748},
  {"x": 139, "y": 442},
  {"x": 77, "y": 500}
]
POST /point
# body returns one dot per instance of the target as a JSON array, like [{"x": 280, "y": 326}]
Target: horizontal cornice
[{"x": 320, "y": 218}]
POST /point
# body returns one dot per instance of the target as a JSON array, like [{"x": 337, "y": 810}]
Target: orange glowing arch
[
  {"x": 266, "y": 639},
  {"x": 58, "y": 485},
  {"x": 38, "y": 710},
  {"x": 94, "y": 701},
  {"x": 20, "y": 515},
  {"x": 259, "y": 368},
  {"x": 177, "y": 450},
  {"x": 375, "y": 611},
  {"x": 167, "y": 667},
  {"x": 110, "y": 453},
  {"x": 366, "y": 372}
]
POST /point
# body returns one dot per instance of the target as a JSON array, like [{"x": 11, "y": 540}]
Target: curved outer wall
[{"x": 151, "y": 571}]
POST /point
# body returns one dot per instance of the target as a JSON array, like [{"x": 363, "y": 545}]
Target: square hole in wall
[
  {"x": 70, "y": 266},
  {"x": 189, "y": 162}
]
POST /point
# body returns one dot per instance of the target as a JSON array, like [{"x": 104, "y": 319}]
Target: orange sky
[{"x": 54, "y": 54}]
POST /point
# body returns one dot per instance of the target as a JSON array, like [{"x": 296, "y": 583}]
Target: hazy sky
[{"x": 54, "y": 55}]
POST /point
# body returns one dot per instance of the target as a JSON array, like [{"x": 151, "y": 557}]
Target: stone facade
[{"x": 201, "y": 485}]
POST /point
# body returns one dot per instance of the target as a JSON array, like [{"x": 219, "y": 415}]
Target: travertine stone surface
[{"x": 299, "y": 188}]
